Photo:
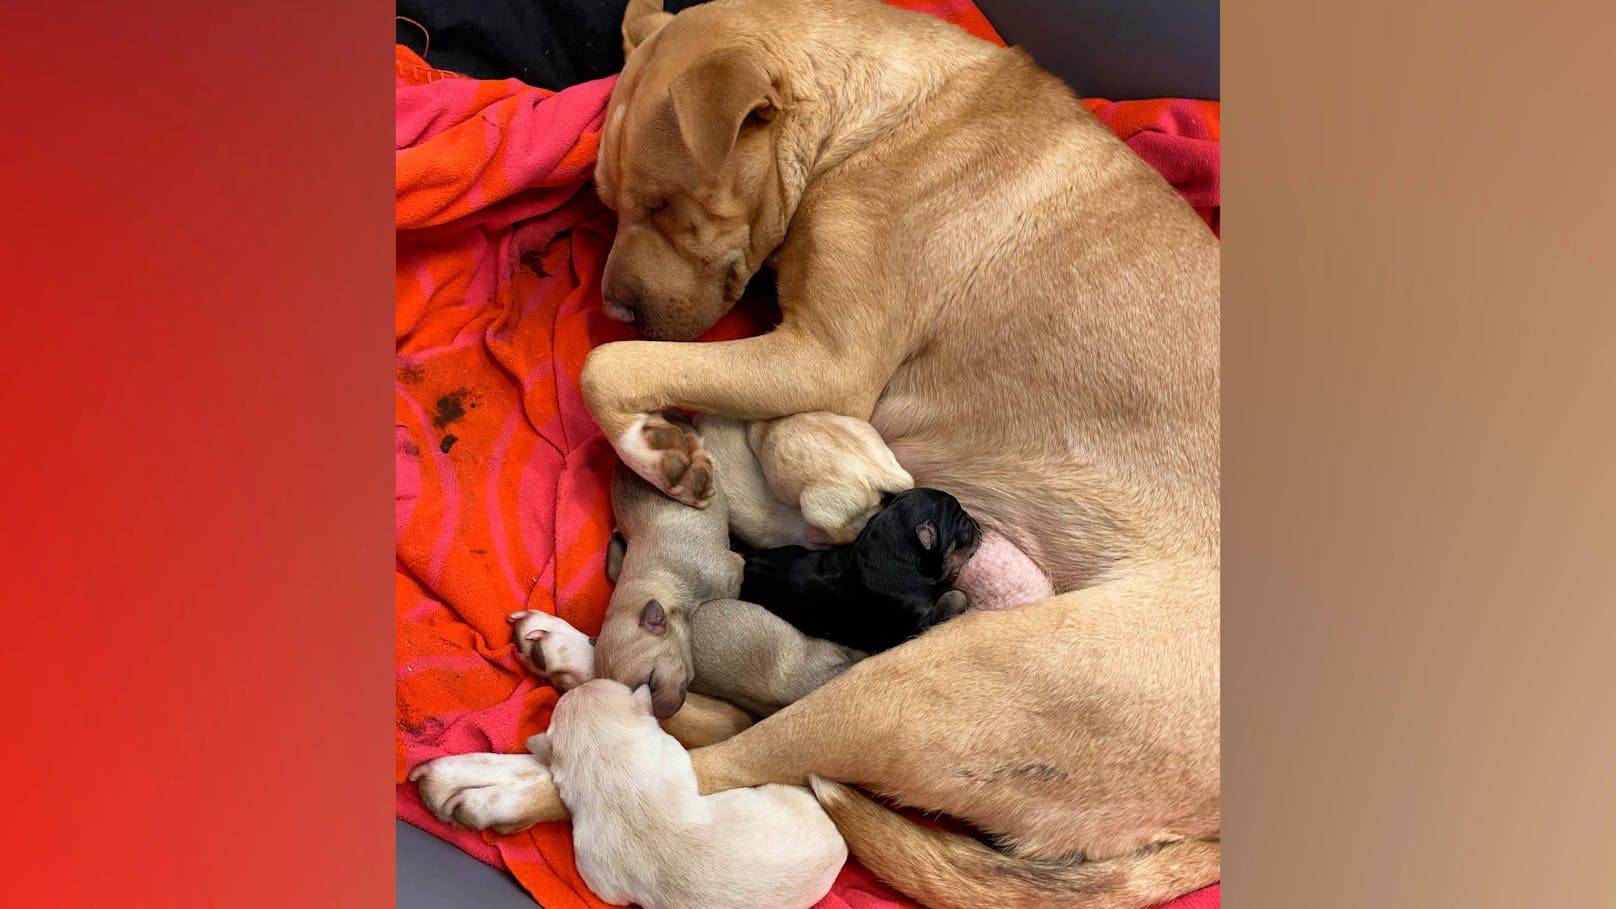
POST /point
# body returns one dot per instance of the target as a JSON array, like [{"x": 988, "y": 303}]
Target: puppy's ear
[
  {"x": 653, "y": 618},
  {"x": 717, "y": 97},
  {"x": 539, "y": 746},
  {"x": 927, "y": 532},
  {"x": 642, "y": 699},
  {"x": 536, "y": 633},
  {"x": 616, "y": 548},
  {"x": 641, "y": 20}
]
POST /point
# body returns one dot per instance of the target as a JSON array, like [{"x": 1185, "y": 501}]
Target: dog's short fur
[
  {"x": 551, "y": 648},
  {"x": 756, "y": 660},
  {"x": 666, "y": 561},
  {"x": 643, "y": 834},
  {"x": 1028, "y": 315},
  {"x": 894, "y": 582},
  {"x": 805, "y": 480}
]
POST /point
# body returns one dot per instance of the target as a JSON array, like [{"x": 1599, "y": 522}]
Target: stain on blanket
[
  {"x": 447, "y": 443},
  {"x": 450, "y": 407},
  {"x": 531, "y": 261}
]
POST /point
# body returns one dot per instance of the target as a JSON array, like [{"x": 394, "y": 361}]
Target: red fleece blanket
[{"x": 501, "y": 474}]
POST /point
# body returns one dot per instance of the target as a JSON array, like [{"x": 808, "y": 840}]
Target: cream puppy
[
  {"x": 809, "y": 479},
  {"x": 837, "y": 469},
  {"x": 642, "y": 832}
]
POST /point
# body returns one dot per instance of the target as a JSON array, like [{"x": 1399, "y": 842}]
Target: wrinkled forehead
[{"x": 642, "y": 154}]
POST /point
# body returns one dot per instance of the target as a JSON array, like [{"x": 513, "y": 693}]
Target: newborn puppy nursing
[
  {"x": 893, "y": 583},
  {"x": 644, "y": 834},
  {"x": 668, "y": 560},
  {"x": 565, "y": 657},
  {"x": 736, "y": 651}
]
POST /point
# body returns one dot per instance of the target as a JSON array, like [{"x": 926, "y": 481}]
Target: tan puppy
[
  {"x": 565, "y": 657},
  {"x": 805, "y": 480},
  {"x": 1028, "y": 315},
  {"x": 642, "y": 832},
  {"x": 756, "y": 660},
  {"x": 675, "y": 559}
]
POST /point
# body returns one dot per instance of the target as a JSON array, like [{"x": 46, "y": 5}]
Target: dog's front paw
[
  {"x": 665, "y": 449},
  {"x": 499, "y": 792}
]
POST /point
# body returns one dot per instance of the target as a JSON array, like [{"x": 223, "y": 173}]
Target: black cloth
[{"x": 548, "y": 43}]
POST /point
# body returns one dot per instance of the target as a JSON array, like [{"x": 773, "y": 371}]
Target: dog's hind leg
[{"x": 1083, "y": 723}]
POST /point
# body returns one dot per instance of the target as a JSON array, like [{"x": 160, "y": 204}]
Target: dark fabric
[{"x": 548, "y": 43}]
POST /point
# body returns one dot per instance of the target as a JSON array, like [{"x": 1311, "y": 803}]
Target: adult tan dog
[{"x": 1028, "y": 314}]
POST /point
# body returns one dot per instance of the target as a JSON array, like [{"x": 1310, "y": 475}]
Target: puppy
[
  {"x": 894, "y": 582},
  {"x": 679, "y": 557},
  {"x": 756, "y": 516},
  {"x": 642, "y": 832},
  {"x": 808, "y": 479},
  {"x": 756, "y": 660},
  {"x": 835, "y": 468}
]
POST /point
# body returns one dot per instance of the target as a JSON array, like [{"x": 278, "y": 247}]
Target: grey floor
[
  {"x": 1116, "y": 49},
  {"x": 435, "y": 875}
]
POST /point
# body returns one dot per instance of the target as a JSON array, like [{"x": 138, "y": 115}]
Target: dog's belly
[{"x": 999, "y": 575}]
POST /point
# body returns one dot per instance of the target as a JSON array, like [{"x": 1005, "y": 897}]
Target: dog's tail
[{"x": 948, "y": 871}]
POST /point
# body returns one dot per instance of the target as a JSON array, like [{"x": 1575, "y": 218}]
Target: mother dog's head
[{"x": 688, "y": 161}]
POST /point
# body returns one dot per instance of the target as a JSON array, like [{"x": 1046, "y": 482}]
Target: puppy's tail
[{"x": 948, "y": 871}]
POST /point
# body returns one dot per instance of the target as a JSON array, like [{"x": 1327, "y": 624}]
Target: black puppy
[{"x": 893, "y": 582}]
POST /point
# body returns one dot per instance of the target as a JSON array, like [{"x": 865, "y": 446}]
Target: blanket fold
[{"x": 501, "y": 475}]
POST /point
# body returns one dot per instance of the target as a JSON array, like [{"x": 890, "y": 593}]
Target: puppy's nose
[{"x": 622, "y": 307}]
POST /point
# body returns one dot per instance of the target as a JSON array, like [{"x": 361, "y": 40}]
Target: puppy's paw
[
  {"x": 499, "y": 792},
  {"x": 552, "y": 649},
  {"x": 836, "y": 513},
  {"x": 666, "y": 451}
]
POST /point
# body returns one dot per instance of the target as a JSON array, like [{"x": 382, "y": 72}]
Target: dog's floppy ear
[
  {"x": 641, "y": 20},
  {"x": 616, "y": 548},
  {"x": 716, "y": 98},
  {"x": 653, "y": 617},
  {"x": 539, "y": 746},
  {"x": 927, "y": 532},
  {"x": 642, "y": 699}
]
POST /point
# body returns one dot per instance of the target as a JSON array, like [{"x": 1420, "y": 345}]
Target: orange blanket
[{"x": 501, "y": 474}]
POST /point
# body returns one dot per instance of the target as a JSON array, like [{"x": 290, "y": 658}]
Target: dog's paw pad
[
  {"x": 665, "y": 449},
  {"x": 499, "y": 792}
]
